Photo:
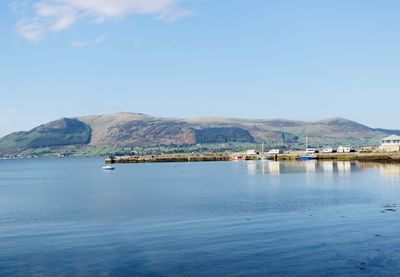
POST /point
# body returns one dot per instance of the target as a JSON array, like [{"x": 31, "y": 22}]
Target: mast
[
  {"x": 306, "y": 143},
  {"x": 262, "y": 150}
]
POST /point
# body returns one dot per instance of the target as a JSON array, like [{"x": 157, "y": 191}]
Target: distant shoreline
[{"x": 362, "y": 157}]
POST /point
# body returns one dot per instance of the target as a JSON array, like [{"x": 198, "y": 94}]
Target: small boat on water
[
  {"x": 108, "y": 167},
  {"x": 307, "y": 157},
  {"x": 239, "y": 158}
]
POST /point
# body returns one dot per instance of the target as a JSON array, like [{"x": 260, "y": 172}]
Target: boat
[
  {"x": 309, "y": 153},
  {"x": 109, "y": 167},
  {"x": 308, "y": 157},
  {"x": 239, "y": 158}
]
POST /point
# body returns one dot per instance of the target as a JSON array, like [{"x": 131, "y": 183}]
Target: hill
[
  {"x": 140, "y": 130},
  {"x": 61, "y": 132}
]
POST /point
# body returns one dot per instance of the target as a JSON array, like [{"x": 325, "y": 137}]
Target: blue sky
[{"x": 297, "y": 59}]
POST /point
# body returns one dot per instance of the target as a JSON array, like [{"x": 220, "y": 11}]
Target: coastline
[{"x": 362, "y": 157}]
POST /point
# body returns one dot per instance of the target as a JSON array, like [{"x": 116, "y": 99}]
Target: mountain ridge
[{"x": 142, "y": 130}]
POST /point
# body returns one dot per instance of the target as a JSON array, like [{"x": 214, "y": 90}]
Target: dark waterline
[{"x": 67, "y": 217}]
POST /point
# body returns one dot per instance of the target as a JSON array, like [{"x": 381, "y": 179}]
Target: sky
[{"x": 294, "y": 59}]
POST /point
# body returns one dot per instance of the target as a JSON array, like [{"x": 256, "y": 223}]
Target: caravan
[
  {"x": 343, "y": 149},
  {"x": 327, "y": 150},
  {"x": 274, "y": 151}
]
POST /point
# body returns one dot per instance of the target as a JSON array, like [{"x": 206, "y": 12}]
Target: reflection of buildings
[
  {"x": 270, "y": 167},
  {"x": 344, "y": 166},
  {"x": 274, "y": 168},
  {"x": 309, "y": 167},
  {"x": 327, "y": 166},
  {"x": 252, "y": 168},
  {"x": 387, "y": 171},
  {"x": 390, "y": 171}
]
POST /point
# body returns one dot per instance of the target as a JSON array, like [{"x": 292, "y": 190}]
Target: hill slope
[{"x": 56, "y": 133}]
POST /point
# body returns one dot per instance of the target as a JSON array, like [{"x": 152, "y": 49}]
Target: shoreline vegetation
[{"x": 362, "y": 157}]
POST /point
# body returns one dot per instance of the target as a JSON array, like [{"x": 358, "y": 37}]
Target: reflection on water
[
  {"x": 390, "y": 171},
  {"x": 386, "y": 170},
  {"x": 327, "y": 167},
  {"x": 328, "y": 218},
  {"x": 344, "y": 167},
  {"x": 274, "y": 168}
]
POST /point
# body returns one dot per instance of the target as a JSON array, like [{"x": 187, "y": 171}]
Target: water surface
[{"x": 67, "y": 217}]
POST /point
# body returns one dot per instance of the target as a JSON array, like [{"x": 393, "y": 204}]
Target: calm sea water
[{"x": 67, "y": 217}]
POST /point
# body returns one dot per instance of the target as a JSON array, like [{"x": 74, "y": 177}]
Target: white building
[
  {"x": 343, "y": 149},
  {"x": 390, "y": 144}
]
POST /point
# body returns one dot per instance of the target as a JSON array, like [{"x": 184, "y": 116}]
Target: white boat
[
  {"x": 109, "y": 167},
  {"x": 308, "y": 157}
]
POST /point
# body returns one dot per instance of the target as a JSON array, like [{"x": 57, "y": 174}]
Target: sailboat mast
[{"x": 306, "y": 143}]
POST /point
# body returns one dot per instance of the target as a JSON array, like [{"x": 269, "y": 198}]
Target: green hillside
[
  {"x": 222, "y": 135},
  {"x": 57, "y": 133}
]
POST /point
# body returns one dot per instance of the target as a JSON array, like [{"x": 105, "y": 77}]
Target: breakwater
[
  {"x": 367, "y": 157},
  {"x": 171, "y": 158}
]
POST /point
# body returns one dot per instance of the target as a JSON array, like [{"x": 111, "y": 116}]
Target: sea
[{"x": 69, "y": 217}]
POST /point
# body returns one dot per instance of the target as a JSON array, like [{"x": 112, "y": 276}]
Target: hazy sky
[{"x": 298, "y": 59}]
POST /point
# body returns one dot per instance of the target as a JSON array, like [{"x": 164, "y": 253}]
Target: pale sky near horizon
[{"x": 295, "y": 59}]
